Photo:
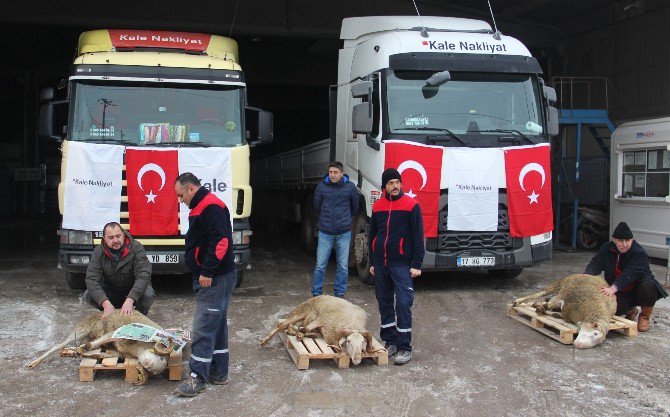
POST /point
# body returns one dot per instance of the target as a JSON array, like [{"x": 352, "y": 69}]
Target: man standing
[
  {"x": 626, "y": 266},
  {"x": 336, "y": 204},
  {"x": 209, "y": 257},
  {"x": 396, "y": 248},
  {"x": 119, "y": 274}
]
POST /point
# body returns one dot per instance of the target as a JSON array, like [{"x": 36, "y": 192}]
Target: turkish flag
[
  {"x": 152, "y": 203},
  {"x": 420, "y": 167},
  {"x": 528, "y": 174}
]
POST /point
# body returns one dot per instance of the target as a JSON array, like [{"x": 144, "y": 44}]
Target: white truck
[
  {"x": 437, "y": 82},
  {"x": 640, "y": 182}
]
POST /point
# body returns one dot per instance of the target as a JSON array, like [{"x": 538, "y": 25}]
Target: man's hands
[
  {"x": 609, "y": 291},
  {"x": 414, "y": 272},
  {"x": 205, "y": 282},
  {"x": 127, "y": 307},
  {"x": 107, "y": 308},
  {"x": 372, "y": 270}
]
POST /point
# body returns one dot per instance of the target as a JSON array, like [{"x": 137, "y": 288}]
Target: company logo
[
  {"x": 640, "y": 135},
  {"x": 97, "y": 183},
  {"x": 215, "y": 186},
  {"x": 464, "y": 46}
]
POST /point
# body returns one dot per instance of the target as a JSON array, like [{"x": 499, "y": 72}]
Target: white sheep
[
  {"x": 339, "y": 321},
  {"x": 578, "y": 300},
  {"x": 99, "y": 330}
]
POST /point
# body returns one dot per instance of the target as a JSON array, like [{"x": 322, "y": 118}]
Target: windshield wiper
[
  {"x": 179, "y": 144},
  {"x": 116, "y": 141},
  {"x": 516, "y": 132},
  {"x": 439, "y": 129}
]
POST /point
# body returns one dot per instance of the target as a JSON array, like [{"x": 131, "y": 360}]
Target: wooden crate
[
  {"x": 302, "y": 351},
  {"x": 560, "y": 329},
  {"x": 89, "y": 366}
]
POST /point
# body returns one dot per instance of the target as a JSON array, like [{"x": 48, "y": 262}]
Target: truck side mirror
[
  {"x": 549, "y": 94},
  {"x": 361, "y": 89},
  {"x": 552, "y": 121},
  {"x": 361, "y": 118},
  {"x": 259, "y": 126},
  {"x": 47, "y": 94}
]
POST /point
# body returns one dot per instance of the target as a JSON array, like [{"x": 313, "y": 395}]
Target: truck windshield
[
  {"x": 469, "y": 103},
  {"x": 156, "y": 114}
]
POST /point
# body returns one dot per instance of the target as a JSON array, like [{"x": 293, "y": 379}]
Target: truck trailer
[
  {"x": 440, "y": 99},
  {"x": 142, "y": 107}
]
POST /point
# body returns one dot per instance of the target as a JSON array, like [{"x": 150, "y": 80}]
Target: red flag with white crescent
[
  {"x": 420, "y": 167},
  {"x": 152, "y": 203},
  {"x": 528, "y": 175}
]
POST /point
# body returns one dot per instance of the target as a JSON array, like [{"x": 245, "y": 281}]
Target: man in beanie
[
  {"x": 626, "y": 266},
  {"x": 396, "y": 248}
]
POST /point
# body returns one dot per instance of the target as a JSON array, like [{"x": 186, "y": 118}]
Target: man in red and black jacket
[
  {"x": 209, "y": 257},
  {"x": 396, "y": 248}
]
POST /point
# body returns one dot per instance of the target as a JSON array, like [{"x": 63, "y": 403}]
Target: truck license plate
[
  {"x": 164, "y": 259},
  {"x": 475, "y": 261}
]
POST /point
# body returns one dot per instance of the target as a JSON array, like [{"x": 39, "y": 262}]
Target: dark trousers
[
  {"x": 118, "y": 297},
  {"x": 395, "y": 295},
  {"x": 645, "y": 294},
  {"x": 209, "y": 348}
]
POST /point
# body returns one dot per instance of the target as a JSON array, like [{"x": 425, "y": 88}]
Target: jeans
[
  {"x": 326, "y": 243},
  {"x": 118, "y": 297},
  {"x": 209, "y": 348}
]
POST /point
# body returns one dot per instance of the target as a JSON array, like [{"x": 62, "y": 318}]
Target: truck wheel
[
  {"x": 240, "y": 278},
  {"x": 76, "y": 281},
  {"x": 361, "y": 250},
  {"x": 308, "y": 232},
  {"x": 586, "y": 238},
  {"x": 505, "y": 273}
]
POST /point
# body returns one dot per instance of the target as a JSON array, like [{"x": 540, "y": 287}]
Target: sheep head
[
  {"x": 355, "y": 342},
  {"x": 591, "y": 334},
  {"x": 152, "y": 362}
]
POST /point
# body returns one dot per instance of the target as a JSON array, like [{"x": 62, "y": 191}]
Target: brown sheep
[
  {"x": 579, "y": 300},
  {"x": 97, "y": 329}
]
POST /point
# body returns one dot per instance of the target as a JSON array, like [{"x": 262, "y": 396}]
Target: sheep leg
[
  {"x": 99, "y": 342},
  {"x": 284, "y": 325},
  {"x": 531, "y": 296},
  {"x": 555, "y": 303},
  {"x": 70, "y": 338}
]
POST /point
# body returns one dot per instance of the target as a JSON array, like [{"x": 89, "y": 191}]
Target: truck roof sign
[{"x": 122, "y": 38}]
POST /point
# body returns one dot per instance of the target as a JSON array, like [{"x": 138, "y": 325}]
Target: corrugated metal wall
[{"x": 634, "y": 54}]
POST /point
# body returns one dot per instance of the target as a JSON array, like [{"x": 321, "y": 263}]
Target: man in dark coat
[
  {"x": 396, "y": 247},
  {"x": 119, "y": 274},
  {"x": 336, "y": 204},
  {"x": 626, "y": 266}
]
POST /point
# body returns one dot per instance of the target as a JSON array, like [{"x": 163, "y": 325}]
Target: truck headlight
[
  {"x": 76, "y": 237},
  {"x": 241, "y": 237}
]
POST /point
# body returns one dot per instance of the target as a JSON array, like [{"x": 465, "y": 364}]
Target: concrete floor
[{"x": 469, "y": 359}]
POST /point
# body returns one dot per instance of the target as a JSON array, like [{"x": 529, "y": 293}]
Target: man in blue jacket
[
  {"x": 336, "y": 204},
  {"x": 626, "y": 266},
  {"x": 396, "y": 248},
  {"x": 209, "y": 257}
]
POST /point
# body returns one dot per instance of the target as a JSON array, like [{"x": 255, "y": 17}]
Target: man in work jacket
[
  {"x": 209, "y": 257},
  {"x": 119, "y": 274},
  {"x": 336, "y": 204},
  {"x": 626, "y": 267},
  {"x": 396, "y": 248}
]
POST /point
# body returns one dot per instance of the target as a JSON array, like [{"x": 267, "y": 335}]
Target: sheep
[
  {"x": 341, "y": 323},
  {"x": 579, "y": 300},
  {"x": 99, "y": 330}
]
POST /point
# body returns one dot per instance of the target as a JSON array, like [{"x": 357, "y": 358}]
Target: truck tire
[
  {"x": 308, "y": 231},
  {"x": 240, "y": 278},
  {"x": 360, "y": 237},
  {"x": 505, "y": 273},
  {"x": 76, "y": 281}
]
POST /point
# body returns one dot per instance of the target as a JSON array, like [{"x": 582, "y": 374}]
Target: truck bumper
[
  {"x": 527, "y": 255},
  {"x": 76, "y": 260}
]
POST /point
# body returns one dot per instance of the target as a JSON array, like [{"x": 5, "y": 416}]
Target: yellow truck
[{"x": 148, "y": 93}]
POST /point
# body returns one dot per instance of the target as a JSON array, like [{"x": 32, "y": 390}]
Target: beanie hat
[
  {"x": 622, "y": 231},
  {"x": 390, "y": 174}
]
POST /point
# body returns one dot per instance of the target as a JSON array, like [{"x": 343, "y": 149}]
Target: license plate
[
  {"x": 164, "y": 259},
  {"x": 475, "y": 261}
]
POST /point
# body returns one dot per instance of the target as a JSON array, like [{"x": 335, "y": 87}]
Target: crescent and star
[
  {"x": 530, "y": 167},
  {"x": 410, "y": 164},
  {"x": 151, "y": 197}
]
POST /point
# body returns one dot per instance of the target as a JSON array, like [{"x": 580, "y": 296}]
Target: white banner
[
  {"x": 473, "y": 189},
  {"x": 92, "y": 185},
  {"x": 214, "y": 169}
]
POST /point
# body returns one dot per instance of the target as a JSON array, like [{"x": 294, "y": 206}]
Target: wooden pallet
[
  {"x": 302, "y": 351},
  {"x": 560, "y": 329},
  {"x": 89, "y": 366}
]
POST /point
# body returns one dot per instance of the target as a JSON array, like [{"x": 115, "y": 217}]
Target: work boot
[
  {"x": 402, "y": 357},
  {"x": 391, "y": 350},
  {"x": 632, "y": 314},
  {"x": 218, "y": 380},
  {"x": 190, "y": 387},
  {"x": 643, "y": 320}
]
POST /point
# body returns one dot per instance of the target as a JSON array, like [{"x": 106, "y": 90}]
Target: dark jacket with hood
[
  {"x": 634, "y": 267},
  {"x": 396, "y": 232},
  {"x": 209, "y": 240},
  {"x": 131, "y": 272},
  {"x": 336, "y": 204}
]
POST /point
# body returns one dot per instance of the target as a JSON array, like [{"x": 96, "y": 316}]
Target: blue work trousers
[
  {"x": 209, "y": 346},
  {"x": 395, "y": 295},
  {"x": 326, "y": 243}
]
